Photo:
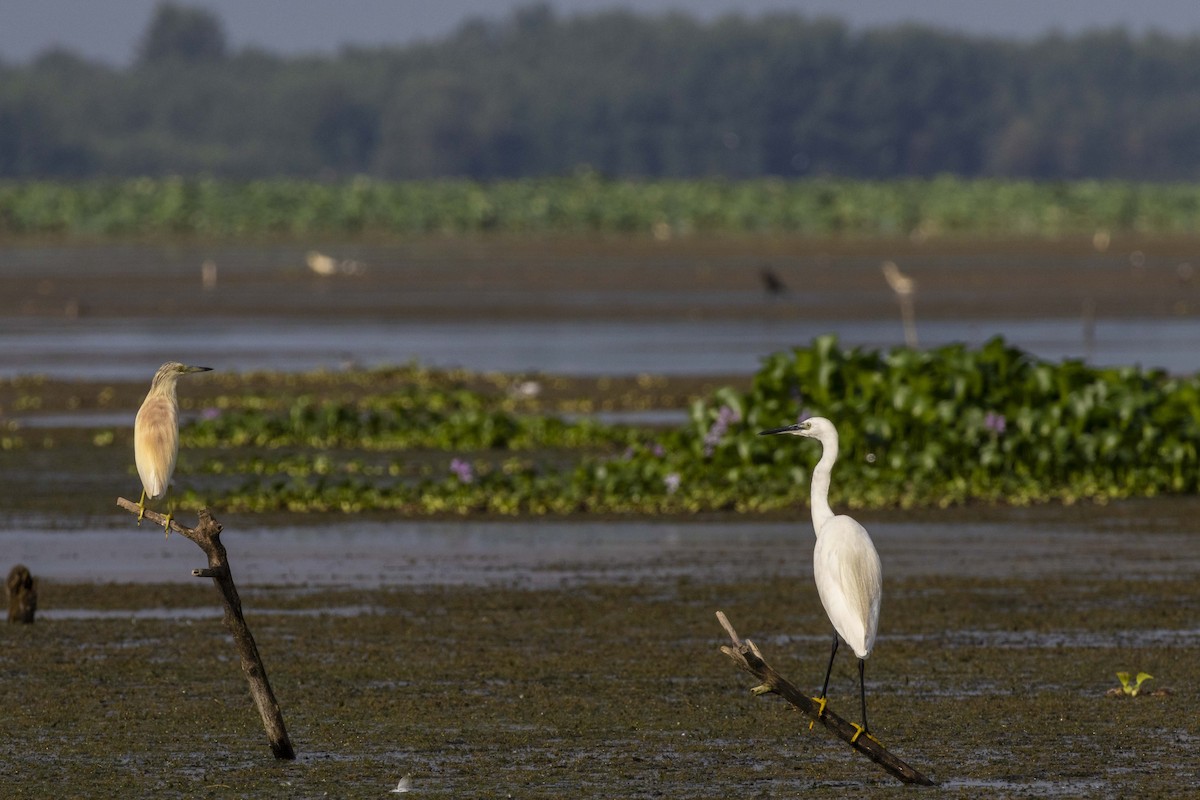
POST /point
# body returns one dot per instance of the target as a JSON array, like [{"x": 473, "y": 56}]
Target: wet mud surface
[
  {"x": 579, "y": 278},
  {"x": 536, "y": 662},
  {"x": 995, "y": 684}
]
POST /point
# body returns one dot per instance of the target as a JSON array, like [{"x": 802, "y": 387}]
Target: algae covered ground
[{"x": 994, "y": 686}]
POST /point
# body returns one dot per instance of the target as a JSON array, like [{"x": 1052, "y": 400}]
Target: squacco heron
[{"x": 156, "y": 435}]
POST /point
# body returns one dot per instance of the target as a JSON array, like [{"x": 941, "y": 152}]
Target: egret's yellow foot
[
  {"x": 141, "y": 507},
  {"x": 167, "y": 525},
  {"x": 859, "y": 730},
  {"x": 820, "y": 701}
]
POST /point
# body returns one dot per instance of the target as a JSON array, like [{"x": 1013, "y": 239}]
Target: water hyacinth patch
[
  {"x": 918, "y": 428},
  {"x": 415, "y": 417}
]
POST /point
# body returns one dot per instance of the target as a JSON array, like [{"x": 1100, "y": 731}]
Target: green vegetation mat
[
  {"x": 948, "y": 426},
  {"x": 934, "y": 428},
  {"x": 587, "y": 203}
]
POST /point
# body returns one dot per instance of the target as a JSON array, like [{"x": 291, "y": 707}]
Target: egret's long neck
[{"x": 821, "y": 512}]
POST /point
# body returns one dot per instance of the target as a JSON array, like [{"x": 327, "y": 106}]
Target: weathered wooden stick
[
  {"x": 21, "y": 588},
  {"x": 747, "y": 656},
  {"x": 207, "y": 534}
]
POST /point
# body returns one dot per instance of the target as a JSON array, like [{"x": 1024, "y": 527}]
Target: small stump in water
[{"x": 21, "y": 588}]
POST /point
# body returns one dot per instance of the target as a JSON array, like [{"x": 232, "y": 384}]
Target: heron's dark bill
[{"x": 784, "y": 429}]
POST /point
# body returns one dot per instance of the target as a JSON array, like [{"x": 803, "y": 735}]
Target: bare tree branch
[
  {"x": 747, "y": 656},
  {"x": 207, "y": 535}
]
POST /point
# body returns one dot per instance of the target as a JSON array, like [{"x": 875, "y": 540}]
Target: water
[
  {"x": 118, "y": 350},
  {"x": 1045, "y": 542},
  {"x": 574, "y": 307},
  {"x": 193, "y": 613}
]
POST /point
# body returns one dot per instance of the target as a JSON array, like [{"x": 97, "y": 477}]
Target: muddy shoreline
[
  {"x": 593, "y": 670},
  {"x": 582, "y": 278}
]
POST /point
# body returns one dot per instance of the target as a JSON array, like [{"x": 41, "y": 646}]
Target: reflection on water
[
  {"x": 584, "y": 306},
  {"x": 199, "y": 612},
  {"x": 547, "y": 553},
  {"x": 112, "y": 349}
]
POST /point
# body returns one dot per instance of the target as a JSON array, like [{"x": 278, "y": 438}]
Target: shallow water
[
  {"x": 585, "y": 307},
  {"x": 994, "y": 543},
  {"x": 197, "y": 613},
  {"x": 110, "y": 349}
]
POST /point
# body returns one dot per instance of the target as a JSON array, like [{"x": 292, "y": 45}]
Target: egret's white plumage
[
  {"x": 156, "y": 432},
  {"x": 846, "y": 566}
]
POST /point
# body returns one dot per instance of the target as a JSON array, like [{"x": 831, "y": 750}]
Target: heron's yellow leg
[
  {"x": 142, "y": 506},
  {"x": 820, "y": 701},
  {"x": 167, "y": 523}
]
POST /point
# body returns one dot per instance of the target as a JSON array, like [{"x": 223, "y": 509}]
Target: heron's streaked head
[{"x": 170, "y": 372}]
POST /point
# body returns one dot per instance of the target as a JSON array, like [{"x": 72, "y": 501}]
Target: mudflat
[
  {"x": 1001, "y": 687},
  {"x": 697, "y": 277}
]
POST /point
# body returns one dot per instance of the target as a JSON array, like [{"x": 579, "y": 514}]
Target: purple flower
[
  {"x": 672, "y": 481},
  {"x": 725, "y": 417},
  {"x": 658, "y": 450},
  {"x": 463, "y": 470},
  {"x": 996, "y": 423},
  {"x": 210, "y": 413}
]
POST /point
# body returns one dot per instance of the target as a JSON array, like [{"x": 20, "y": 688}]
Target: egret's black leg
[
  {"x": 825, "y": 688},
  {"x": 862, "y": 690},
  {"x": 829, "y": 670},
  {"x": 862, "y": 693}
]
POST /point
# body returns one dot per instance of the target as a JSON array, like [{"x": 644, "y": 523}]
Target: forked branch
[
  {"x": 746, "y": 655},
  {"x": 207, "y": 535}
]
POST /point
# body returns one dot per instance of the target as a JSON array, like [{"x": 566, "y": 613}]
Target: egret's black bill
[{"x": 784, "y": 429}]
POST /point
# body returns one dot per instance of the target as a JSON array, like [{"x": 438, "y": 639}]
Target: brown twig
[
  {"x": 207, "y": 535},
  {"x": 747, "y": 656}
]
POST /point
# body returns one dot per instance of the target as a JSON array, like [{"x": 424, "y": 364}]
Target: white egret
[
  {"x": 156, "y": 435},
  {"x": 845, "y": 564}
]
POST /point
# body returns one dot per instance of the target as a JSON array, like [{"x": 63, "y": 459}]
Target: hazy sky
[{"x": 108, "y": 30}]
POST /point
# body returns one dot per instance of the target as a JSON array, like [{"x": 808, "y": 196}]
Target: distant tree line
[{"x": 617, "y": 94}]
